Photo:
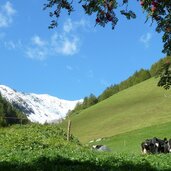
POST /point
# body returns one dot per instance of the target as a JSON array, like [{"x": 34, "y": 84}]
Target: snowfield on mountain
[{"x": 39, "y": 108}]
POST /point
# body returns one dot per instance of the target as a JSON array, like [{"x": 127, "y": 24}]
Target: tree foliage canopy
[
  {"x": 9, "y": 114},
  {"x": 105, "y": 11}
]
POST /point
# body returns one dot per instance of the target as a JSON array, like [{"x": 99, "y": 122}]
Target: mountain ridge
[{"x": 39, "y": 108}]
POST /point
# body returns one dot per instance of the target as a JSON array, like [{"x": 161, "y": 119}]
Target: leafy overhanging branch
[
  {"x": 158, "y": 11},
  {"x": 165, "y": 76}
]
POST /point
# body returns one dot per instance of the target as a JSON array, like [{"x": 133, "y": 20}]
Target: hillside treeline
[
  {"x": 137, "y": 77},
  {"x": 10, "y": 115}
]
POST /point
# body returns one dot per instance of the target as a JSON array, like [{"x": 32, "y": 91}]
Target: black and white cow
[
  {"x": 96, "y": 146},
  {"x": 169, "y": 145},
  {"x": 156, "y": 145},
  {"x": 101, "y": 148},
  {"x": 149, "y": 146}
]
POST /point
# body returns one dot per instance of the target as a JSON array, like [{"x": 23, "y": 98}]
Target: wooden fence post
[
  {"x": 21, "y": 121},
  {"x": 69, "y": 130}
]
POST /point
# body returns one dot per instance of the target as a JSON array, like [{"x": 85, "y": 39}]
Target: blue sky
[{"x": 75, "y": 59}]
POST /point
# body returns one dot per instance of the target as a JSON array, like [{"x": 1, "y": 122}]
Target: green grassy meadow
[
  {"x": 130, "y": 142},
  {"x": 123, "y": 121},
  {"x": 44, "y": 147},
  {"x": 143, "y": 105}
]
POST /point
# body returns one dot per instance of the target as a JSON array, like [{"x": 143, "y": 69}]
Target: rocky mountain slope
[{"x": 38, "y": 107}]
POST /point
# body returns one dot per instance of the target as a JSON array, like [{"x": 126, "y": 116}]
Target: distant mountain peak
[{"x": 38, "y": 107}]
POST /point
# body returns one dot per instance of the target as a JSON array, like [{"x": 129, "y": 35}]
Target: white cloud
[
  {"x": 82, "y": 23},
  {"x": 36, "y": 53},
  {"x": 11, "y": 45},
  {"x": 6, "y": 14},
  {"x": 65, "y": 44},
  {"x": 57, "y": 45},
  {"x": 3, "y": 21},
  {"x": 36, "y": 40},
  {"x": 145, "y": 39},
  {"x": 69, "y": 46},
  {"x": 8, "y": 8},
  {"x": 70, "y": 25},
  {"x": 38, "y": 48}
]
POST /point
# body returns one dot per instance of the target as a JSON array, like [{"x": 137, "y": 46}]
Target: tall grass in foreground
[{"x": 44, "y": 147}]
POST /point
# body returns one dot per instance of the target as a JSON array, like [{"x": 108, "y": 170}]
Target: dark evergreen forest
[{"x": 10, "y": 115}]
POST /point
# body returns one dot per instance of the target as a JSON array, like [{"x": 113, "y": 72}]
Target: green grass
[
  {"x": 135, "y": 108},
  {"x": 44, "y": 147},
  {"x": 130, "y": 142},
  {"x": 125, "y": 120}
]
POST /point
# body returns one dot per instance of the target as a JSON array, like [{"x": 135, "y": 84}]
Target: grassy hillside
[
  {"x": 130, "y": 142},
  {"x": 44, "y": 147},
  {"x": 137, "y": 107}
]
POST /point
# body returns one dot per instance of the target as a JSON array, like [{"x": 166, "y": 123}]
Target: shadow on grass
[{"x": 64, "y": 164}]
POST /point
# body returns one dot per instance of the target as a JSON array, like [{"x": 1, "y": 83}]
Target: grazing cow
[
  {"x": 97, "y": 146},
  {"x": 169, "y": 145},
  {"x": 101, "y": 148},
  {"x": 145, "y": 146},
  {"x": 155, "y": 145},
  {"x": 163, "y": 145},
  {"x": 149, "y": 146}
]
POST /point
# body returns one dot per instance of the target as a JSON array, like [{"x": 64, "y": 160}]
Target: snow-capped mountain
[{"x": 38, "y": 107}]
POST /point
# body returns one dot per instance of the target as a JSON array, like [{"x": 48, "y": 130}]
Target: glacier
[{"x": 41, "y": 108}]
